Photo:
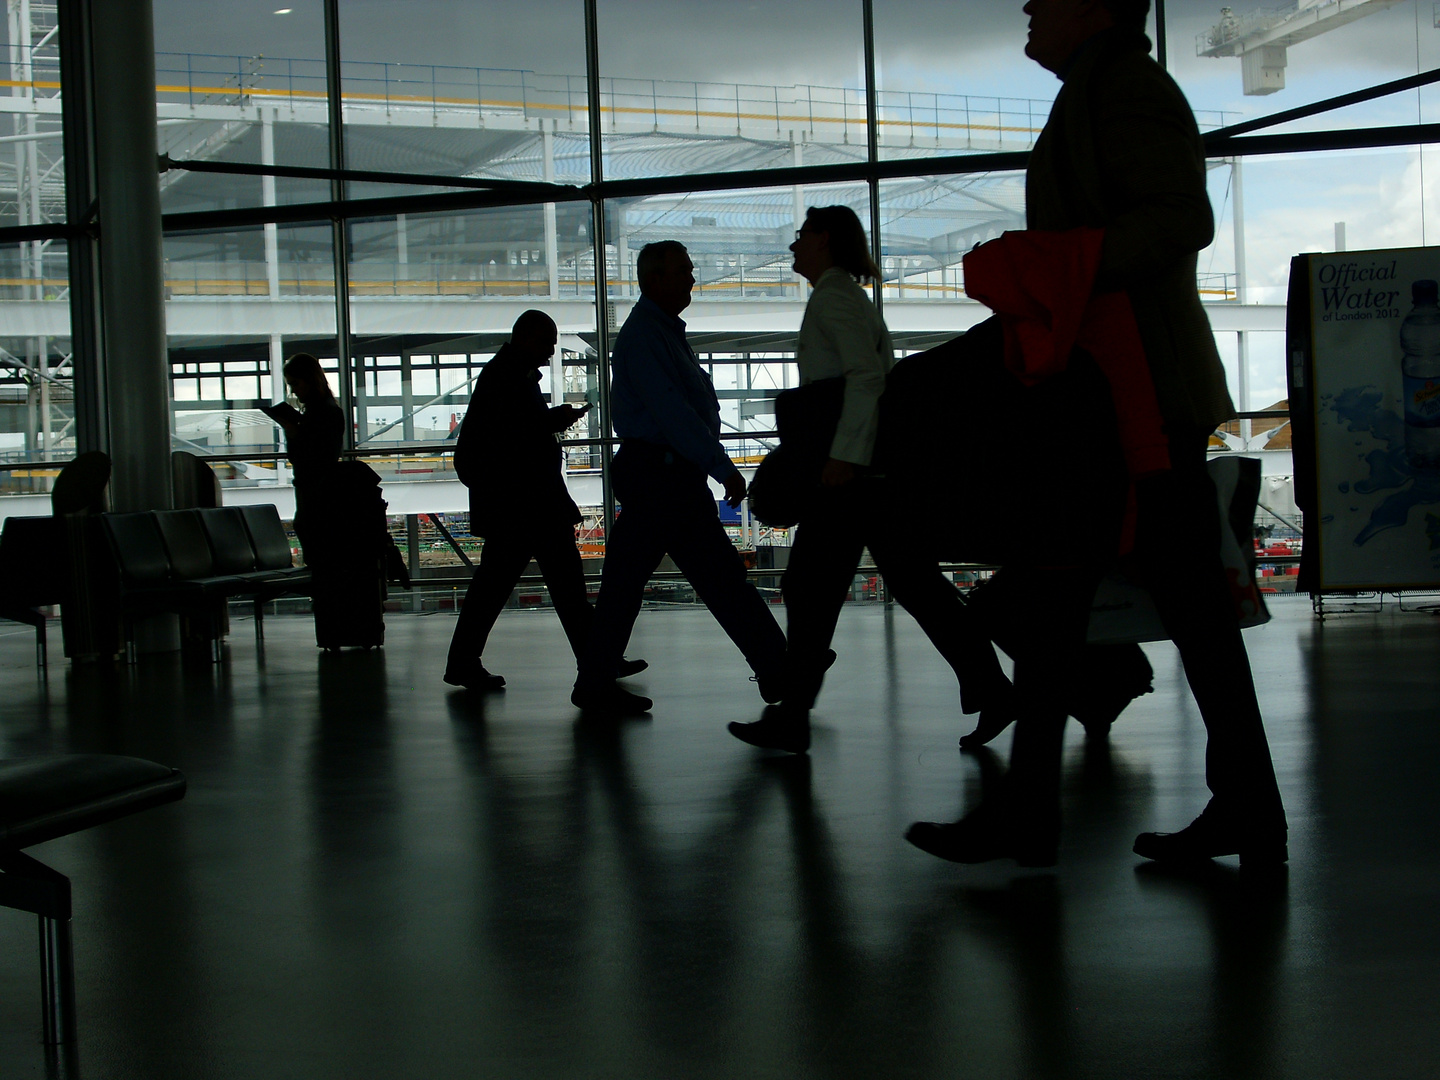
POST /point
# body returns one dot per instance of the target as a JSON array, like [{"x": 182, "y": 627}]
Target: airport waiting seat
[
  {"x": 272, "y": 551},
  {"x": 48, "y": 797},
  {"x": 267, "y": 538},
  {"x": 149, "y": 583},
  {"x": 230, "y": 550},
  {"x": 250, "y": 543},
  {"x": 189, "y": 562},
  {"x": 29, "y": 577}
]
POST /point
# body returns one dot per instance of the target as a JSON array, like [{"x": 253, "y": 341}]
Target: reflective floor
[{"x": 374, "y": 875}]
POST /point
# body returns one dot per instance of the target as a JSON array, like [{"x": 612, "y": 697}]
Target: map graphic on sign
[{"x": 1374, "y": 369}]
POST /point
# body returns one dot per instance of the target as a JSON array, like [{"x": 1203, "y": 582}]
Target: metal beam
[{"x": 1340, "y": 101}]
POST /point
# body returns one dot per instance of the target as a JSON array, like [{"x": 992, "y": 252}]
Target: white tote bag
[{"x": 1124, "y": 612}]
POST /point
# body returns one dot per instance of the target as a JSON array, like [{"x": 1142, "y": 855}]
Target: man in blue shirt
[{"x": 666, "y": 414}]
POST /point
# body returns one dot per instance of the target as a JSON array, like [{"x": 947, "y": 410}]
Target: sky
[{"x": 962, "y": 45}]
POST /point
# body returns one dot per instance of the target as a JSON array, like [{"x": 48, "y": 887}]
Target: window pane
[
  {"x": 240, "y": 83},
  {"x": 32, "y": 177},
  {"x": 954, "y": 78},
  {"x": 697, "y": 87},
  {"x": 1255, "y": 59},
  {"x": 238, "y": 303},
  {"x": 433, "y": 297},
  {"x": 477, "y": 90},
  {"x": 1292, "y": 203},
  {"x": 746, "y": 308},
  {"x": 927, "y": 226},
  {"x": 37, "y": 397}
]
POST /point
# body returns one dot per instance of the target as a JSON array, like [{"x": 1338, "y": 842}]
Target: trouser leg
[
  {"x": 632, "y": 552},
  {"x": 704, "y": 554},
  {"x": 564, "y": 574},
  {"x": 1178, "y": 551},
  {"x": 1056, "y": 608},
  {"x": 817, "y": 579},
  {"x": 502, "y": 560},
  {"x": 913, "y": 577}
]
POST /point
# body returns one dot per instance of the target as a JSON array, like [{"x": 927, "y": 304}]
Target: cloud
[{"x": 947, "y": 42}]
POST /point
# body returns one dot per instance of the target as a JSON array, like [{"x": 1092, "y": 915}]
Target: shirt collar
[
  {"x": 834, "y": 274},
  {"x": 656, "y": 312}
]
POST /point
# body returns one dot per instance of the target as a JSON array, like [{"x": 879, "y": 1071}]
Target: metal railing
[{"x": 625, "y": 104}]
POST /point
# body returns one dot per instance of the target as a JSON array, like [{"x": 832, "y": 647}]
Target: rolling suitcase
[
  {"x": 349, "y": 605},
  {"x": 348, "y": 580}
]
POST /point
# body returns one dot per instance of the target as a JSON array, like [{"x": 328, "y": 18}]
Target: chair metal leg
[
  {"x": 259, "y": 623},
  {"x": 57, "y": 979},
  {"x": 29, "y": 885}
]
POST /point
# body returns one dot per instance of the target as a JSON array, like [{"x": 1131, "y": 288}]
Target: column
[
  {"x": 407, "y": 398},
  {"x": 622, "y": 252},
  {"x": 1242, "y": 360},
  {"x": 267, "y": 198},
  {"x": 272, "y": 265},
  {"x": 131, "y": 269},
  {"x": 552, "y": 238}
]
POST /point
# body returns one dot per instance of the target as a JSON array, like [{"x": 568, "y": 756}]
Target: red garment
[{"x": 1041, "y": 285}]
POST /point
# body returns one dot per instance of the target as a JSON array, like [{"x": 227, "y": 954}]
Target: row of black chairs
[{"x": 191, "y": 562}]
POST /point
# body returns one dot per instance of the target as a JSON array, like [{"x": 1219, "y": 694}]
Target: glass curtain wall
[
  {"x": 245, "y": 85},
  {"x": 239, "y": 302},
  {"x": 37, "y": 397},
  {"x": 487, "y": 92},
  {"x": 37, "y": 418},
  {"x": 471, "y": 90},
  {"x": 692, "y": 86},
  {"x": 746, "y": 308},
  {"x": 32, "y": 176}
]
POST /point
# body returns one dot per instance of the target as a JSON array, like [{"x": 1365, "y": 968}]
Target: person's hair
[
  {"x": 532, "y": 322},
  {"x": 1130, "y": 14},
  {"x": 302, "y": 363},
  {"x": 652, "y": 259},
  {"x": 848, "y": 247}
]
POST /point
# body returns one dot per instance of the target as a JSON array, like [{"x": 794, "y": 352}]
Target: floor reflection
[{"x": 374, "y": 875}]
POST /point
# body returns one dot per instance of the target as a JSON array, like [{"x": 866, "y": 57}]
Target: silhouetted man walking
[
  {"x": 1121, "y": 152},
  {"x": 667, "y": 417},
  {"x": 507, "y": 455}
]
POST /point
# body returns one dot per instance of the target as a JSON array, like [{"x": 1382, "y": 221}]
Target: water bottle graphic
[{"x": 1420, "y": 366}]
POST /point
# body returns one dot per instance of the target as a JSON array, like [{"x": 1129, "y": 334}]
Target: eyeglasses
[{"x": 801, "y": 232}]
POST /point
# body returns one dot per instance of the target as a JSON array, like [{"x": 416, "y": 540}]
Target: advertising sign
[{"x": 1363, "y": 338}]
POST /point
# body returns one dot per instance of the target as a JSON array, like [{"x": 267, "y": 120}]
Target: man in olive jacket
[
  {"x": 1121, "y": 152},
  {"x": 507, "y": 455}
]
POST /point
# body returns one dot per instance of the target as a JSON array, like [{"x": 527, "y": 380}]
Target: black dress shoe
[
  {"x": 474, "y": 677},
  {"x": 976, "y": 841},
  {"x": 609, "y": 700},
  {"x": 626, "y": 668},
  {"x": 1213, "y": 835},
  {"x": 778, "y": 728}
]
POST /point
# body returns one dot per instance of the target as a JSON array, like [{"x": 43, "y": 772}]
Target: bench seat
[{"x": 42, "y": 799}]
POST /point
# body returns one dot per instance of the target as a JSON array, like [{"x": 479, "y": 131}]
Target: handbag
[
  {"x": 806, "y": 418},
  {"x": 1124, "y": 611}
]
